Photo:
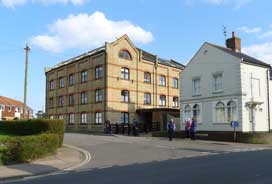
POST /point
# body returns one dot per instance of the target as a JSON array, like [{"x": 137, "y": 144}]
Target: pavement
[{"x": 66, "y": 158}]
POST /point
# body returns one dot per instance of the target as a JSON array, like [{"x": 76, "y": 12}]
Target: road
[{"x": 154, "y": 160}]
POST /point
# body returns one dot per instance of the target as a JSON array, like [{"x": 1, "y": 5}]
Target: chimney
[{"x": 234, "y": 43}]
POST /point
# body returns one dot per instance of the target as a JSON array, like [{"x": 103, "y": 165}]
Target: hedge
[
  {"x": 32, "y": 127},
  {"x": 19, "y": 149}
]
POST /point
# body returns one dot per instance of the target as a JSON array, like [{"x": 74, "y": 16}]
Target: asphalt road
[{"x": 151, "y": 160}]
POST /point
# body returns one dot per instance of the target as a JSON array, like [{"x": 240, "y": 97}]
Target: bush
[
  {"x": 26, "y": 148},
  {"x": 32, "y": 127}
]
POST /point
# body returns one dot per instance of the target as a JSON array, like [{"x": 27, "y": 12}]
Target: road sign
[{"x": 234, "y": 124}]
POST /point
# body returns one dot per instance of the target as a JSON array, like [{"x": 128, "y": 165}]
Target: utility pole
[{"x": 27, "y": 49}]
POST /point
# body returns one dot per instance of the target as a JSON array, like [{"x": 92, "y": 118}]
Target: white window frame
[
  {"x": 98, "y": 72},
  {"x": 125, "y": 73},
  {"x": 218, "y": 82},
  {"x": 83, "y": 118},
  {"x": 197, "y": 112},
  {"x": 84, "y": 97},
  {"x": 2, "y": 108},
  {"x": 162, "y": 80},
  {"x": 196, "y": 86},
  {"x": 147, "y": 98},
  {"x": 84, "y": 76},
  {"x": 125, "y": 96},
  {"x": 98, "y": 95},
  {"x": 61, "y": 82},
  {"x": 71, "y": 79},
  {"x": 163, "y": 100},
  {"x": 147, "y": 77},
  {"x": 175, "y": 102},
  {"x": 71, "y": 119},
  {"x": 98, "y": 118},
  {"x": 51, "y": 84},
  {"x": 187, "y": 111},
  {"x": 175, "y": 83},
  {"x": 220, "y": 110},
  {"x": 232, "y": 111}
]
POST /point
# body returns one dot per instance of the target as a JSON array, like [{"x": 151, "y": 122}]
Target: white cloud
[
  {"x": 260, "y": 51},
  {"x": 248, "y": 30},
  {"x": 236, "y": 3},
  {"x": 13, "y": 3},
  {"x": 87, "y": 31}
]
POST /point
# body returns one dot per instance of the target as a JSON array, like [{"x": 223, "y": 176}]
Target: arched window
[
  {"x": 196, "y": 112},
  {"x": 220, "y": 112},
  {"x": 232, "y": 111},
  {"x": 187, "y": 112},
  {"x": 124, "y": 54}
]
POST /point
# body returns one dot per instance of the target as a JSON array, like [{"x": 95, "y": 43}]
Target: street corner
[{"x": 67, "y": 158}]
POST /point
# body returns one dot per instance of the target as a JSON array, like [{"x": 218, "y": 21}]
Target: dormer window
[{"x": 124, "y": 54}]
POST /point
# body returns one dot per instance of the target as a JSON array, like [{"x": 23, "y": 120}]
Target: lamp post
[{"x": 27, "y": 49}]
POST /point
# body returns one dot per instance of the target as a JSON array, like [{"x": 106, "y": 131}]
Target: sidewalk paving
[{"x": 64, "y": 158}]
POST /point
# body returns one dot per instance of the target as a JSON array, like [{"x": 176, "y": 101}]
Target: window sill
[
  {"x": 162, "y": 85},
  {"x": 147, "y": 104},
  {"x": 124, "y": 102},
  {"x": 147, "y": 82},
  {"x": 196, "y": 95},
  {"x": 98, "y": 78},
  {"x": 225, "y": 123},
  {"x": 98, "y": 102},
  {"x": 217, "y": 92}
]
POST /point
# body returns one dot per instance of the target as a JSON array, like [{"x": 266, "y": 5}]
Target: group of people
[
  {"x": 190, "y": 128},
  {"x": 134, "y": 129}
]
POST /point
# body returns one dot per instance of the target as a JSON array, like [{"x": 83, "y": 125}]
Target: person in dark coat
[
  {"x": 171, "y": 127},
  {"x": 116, "y": 128},
  {"x": 129, "y": 129},
  {"x": 193, "y": 129},
  {"x": 123, "y": 128},
  {"x": 135, "y": 128}
]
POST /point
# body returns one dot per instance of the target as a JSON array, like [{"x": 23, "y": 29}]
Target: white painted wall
[{"x": 204, "y": 64}]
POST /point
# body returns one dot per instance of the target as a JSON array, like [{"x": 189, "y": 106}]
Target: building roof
[
  {"x": 11, "y": 102},
  {"x": 151, "y": 57},
  {"x": 244, "y": 58},
  {"x": 146, "y": 56}
]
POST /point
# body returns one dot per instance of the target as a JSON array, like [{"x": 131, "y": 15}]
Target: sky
[{"x": 57, "y": 30}]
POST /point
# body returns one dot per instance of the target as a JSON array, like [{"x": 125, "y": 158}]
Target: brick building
[
  {"x": 10, "y": 109},
  {"x": 116, "y": 82}
]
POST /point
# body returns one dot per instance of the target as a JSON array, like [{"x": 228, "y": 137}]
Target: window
[
  {"x": 175, "y": 101},
  {"x": 162, "y": 80},
  {"x": 124, "y": 54},
  {"x": 98, "y": 72},
  {"x": 61, "y": 101},
  {"x": 72, "y": 80},
  {"x": 162, "y": 100},
  {"x": 98, "y": 117},
  {"x": 61, "y": 117},
  {"x": 98, "y": 95},
  {"x": 51, "y": 103},
  {"x": 232, "y": 111},
  {"x": 196, "y": 112},
  {"x": 124, "y": 96},
  {"x": 124, "y": 117},
  {"x": 51, "y": 117},
  {"x": 147, "y": 77},
  {"x": 71, "y": 119},
  {"x": 84, "y": 118},
  {"x": 17, "y": 109},
  {"x": 84, "y": 76},
  {"x": 2, "y": 108},
  {"x": 61, "y": 82},
  {"x": 125, "y": 73},
  {"x": 71, "y": 99},
  {"x": 256, "y": 88},
  {"x": 220, "y": 112},
  {"x": 147, "y": 98},
  {"x": 217, "y": 79},
  {"x": 187, "y": 112},
  {"x": 9, "y": 108},
  {"x": 84, "y": 98},
  {"x": 51, "y": 85},
  {"x": 175, "y": 83},
  {"x": 196, "y": 86}
]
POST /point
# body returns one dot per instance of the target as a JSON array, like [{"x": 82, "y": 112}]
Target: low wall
[
  {"x": 90, "y": 128},
  {"x": 252, "y": 138}
]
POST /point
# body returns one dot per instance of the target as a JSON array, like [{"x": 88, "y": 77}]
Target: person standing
[
  {"x": 193, "y": 129},
  {"x": 171, "y": 127},
  {"x": 116, "y": 128},
  {"x": 134, "y": 128},
  {"x": 187, "y": 127},
  {"x": 129, "y": 129}
]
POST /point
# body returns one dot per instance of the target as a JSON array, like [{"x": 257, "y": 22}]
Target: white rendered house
[{"x": 220, "y": 85}]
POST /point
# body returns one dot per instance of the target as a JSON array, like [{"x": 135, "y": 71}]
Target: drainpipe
[
  {"x": 106, "y": 82},
  {"x": 268, "y": 100}
]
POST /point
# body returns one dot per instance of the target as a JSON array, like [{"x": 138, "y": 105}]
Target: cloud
[
  {"x": 13, "y": 3},
  {"x": 261, "y": 51},
  {"x": 85, "y": 31},
  {"x": 248, "y": 30},
  {"x": 236, "y": 3}
]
